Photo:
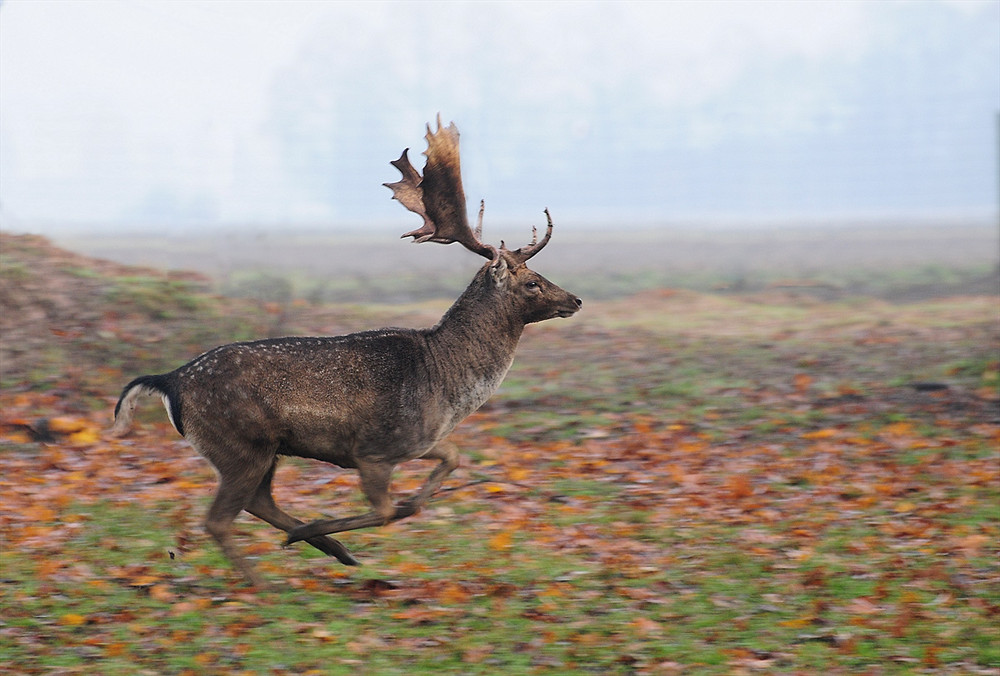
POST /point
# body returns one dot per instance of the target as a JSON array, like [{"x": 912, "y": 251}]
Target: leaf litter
[{"x": 655, "y": 489}]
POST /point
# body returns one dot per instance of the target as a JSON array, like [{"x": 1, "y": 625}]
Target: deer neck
[{"x": 473, "y": 345}]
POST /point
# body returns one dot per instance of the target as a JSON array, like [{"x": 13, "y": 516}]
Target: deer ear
[{"x": 499, "y": 271}]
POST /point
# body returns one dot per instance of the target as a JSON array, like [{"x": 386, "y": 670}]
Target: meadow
[{"x": 786, "y": 468}]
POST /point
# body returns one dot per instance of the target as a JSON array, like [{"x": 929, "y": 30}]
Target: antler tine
[
  {"x": 478, "y": 232},
  {"x": 439, "y": 125},
  {"x": 521, "y": 256},
  {"x": 407, "y": 191},
  {"x": 438, "y": 196}
]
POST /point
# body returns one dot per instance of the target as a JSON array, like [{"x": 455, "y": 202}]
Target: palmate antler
[{"x": 439, "y": 199}]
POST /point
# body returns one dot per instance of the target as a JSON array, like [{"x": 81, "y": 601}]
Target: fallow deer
[{"x": 369, "y": 400}]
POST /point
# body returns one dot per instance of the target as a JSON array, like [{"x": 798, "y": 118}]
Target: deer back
[{"x": 324, "y": 398}]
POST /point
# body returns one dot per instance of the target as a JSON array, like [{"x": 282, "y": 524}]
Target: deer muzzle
[{"x": 570, "y": 310}]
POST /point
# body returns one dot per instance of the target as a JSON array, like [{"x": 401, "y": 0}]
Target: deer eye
[{"x": 532, "y": 285}]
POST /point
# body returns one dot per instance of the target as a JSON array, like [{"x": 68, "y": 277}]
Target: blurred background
[{"x": 723, "y": 134}]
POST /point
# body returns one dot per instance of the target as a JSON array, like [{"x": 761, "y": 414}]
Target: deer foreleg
[
  {"x": 375, "y": 484},
  {"x": 375, "y": 477},
  {"x": 450, "y": 459}
]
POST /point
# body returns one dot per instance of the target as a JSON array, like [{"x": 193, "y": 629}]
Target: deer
[{"x": 366, "y": 401}]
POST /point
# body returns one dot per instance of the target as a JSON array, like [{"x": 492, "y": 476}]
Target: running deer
[{"x": 368, "y": 400}]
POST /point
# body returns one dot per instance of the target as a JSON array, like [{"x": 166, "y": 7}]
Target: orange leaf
[
  {"x": 862, "y": 606},
  {"x": 972, "y": 545},
  {"x": 67, "y": 425},
  {"x": 739, "y": 486},
  {"x": 205, "y": 659},
  {"x": 258, "y": 548},
  {"x": 797, "y": 623},
  {"x": 645, "y": 626},
  {"x": 411, "y": 567},
  {"x": 476, "y": 654},
  {"x": 40, "y": 513},
  {"x": 453, "y": 594},
  {"x": 114, "y": 649},
  {"x": 418, "y": 615},
  {"x": 500, "y": 541},
  {"x": 161, "y": 592},
  {"x": 802, "y": 381},
  {"x": 184, "y": 607},
  {"x": 518, "y": 473},
  {"x": 899, "y": 428},
  {"x": 85, "y": 437},
  {"x": 18, "y": 437},
  {"x": 988, "y": 393},
  {"x": 72, "y": 620}
]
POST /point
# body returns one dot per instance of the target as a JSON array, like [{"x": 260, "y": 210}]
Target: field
[
  {"x": 774, "y": 468},
  {"x": 894, "y": 261}
]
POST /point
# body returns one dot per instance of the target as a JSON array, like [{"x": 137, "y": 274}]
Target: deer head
[{"x": 439, "y": 199}]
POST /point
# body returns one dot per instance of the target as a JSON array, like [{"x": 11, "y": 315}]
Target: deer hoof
[{"x": 334, "y": 548}]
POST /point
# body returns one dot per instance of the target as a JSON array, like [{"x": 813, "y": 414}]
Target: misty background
[{"x": 156, "y": 116}]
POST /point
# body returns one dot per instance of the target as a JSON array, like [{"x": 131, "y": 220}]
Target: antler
[
  {"x": 438, "y": 197},
  {"x": 520, "y": 256}
]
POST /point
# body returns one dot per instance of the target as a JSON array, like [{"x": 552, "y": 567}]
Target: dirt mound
[
  {"x": 56, "y": 304},
  {"x": 81, "y": 327}
]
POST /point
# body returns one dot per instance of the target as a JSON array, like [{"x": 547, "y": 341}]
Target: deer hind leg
[
  {"x": 263, "y": 507},
  {"x": 375, "y": 478},
  {"x": 230, "y": 499}
]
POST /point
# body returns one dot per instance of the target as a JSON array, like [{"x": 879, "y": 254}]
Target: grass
[
  {"x": 157, "y": 297},
  {"x": 438, "y": 594},
  {"x": 672, "y": 483}
]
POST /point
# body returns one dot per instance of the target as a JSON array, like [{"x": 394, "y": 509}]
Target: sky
[{"x": 144, "y": 114}]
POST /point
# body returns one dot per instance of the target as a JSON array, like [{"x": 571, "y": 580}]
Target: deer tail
[{"x": 149, "y": 385}]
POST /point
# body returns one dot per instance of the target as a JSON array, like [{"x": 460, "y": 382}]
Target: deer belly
[{"x": 319, "y": 442}]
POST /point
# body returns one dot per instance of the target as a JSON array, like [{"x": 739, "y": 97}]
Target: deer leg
[
  {"x": 375, "y": 477},
  {"x": 450, "y": 458},
  {"x": 263, "y": 507},
  {"x": 230, "y": 499}
]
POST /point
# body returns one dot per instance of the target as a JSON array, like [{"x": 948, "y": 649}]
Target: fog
[{"x": 159, "y": 117}]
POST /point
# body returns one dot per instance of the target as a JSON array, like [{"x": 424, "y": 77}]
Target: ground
[{"x": 672, "y": 481}]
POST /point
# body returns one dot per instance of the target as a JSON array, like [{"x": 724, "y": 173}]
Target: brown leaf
[{"x": 862, "y": 606}]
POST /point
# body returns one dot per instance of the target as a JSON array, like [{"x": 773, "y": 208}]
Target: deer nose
[{"x": 579, "y": 302}]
